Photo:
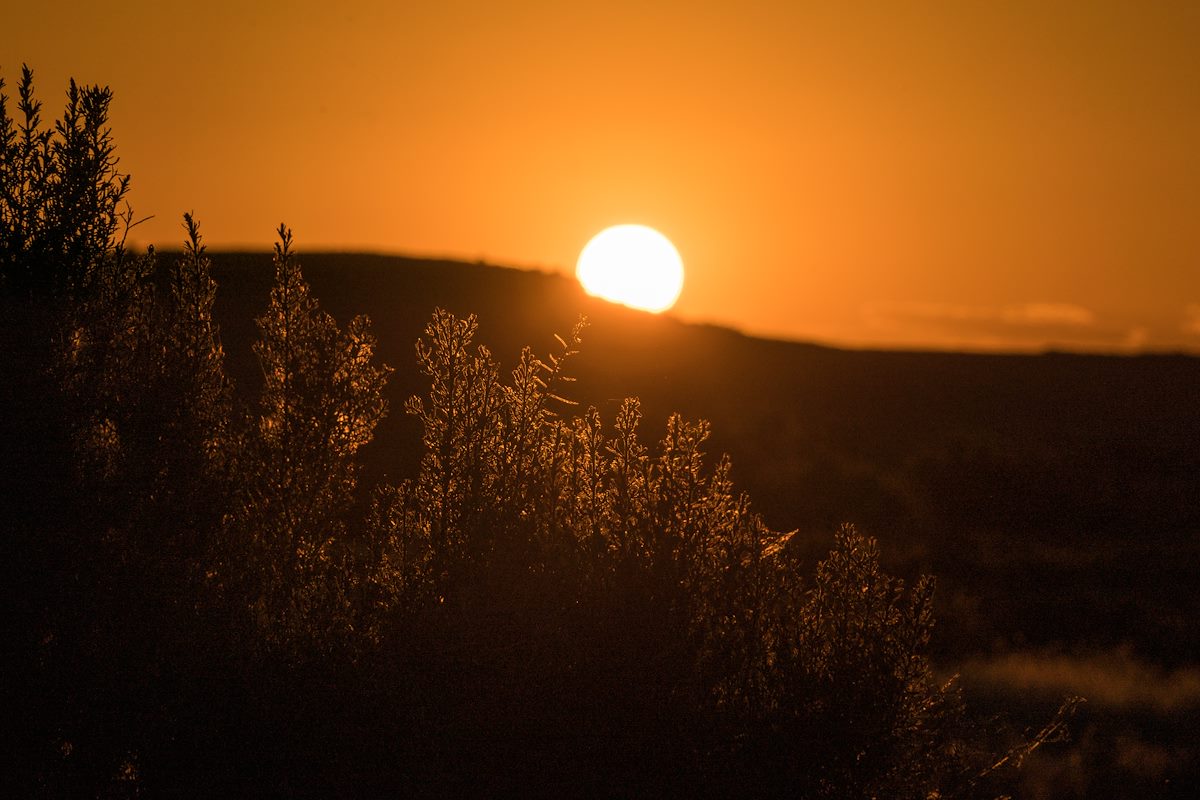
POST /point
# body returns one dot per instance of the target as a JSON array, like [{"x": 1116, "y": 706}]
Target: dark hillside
[{"x": 1056, "y": 491}]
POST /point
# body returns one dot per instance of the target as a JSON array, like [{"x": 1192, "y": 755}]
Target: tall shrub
[{"x": 287, "y": 546}]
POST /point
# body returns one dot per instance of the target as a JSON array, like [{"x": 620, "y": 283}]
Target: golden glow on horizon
[
  {"x": 633, "y": 265},
  {"x": 872, "y": 175}
]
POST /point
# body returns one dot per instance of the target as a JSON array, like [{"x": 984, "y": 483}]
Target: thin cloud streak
[
  {"x": 1035, "y": 313},
  {"x": 1031, "y": 326}
]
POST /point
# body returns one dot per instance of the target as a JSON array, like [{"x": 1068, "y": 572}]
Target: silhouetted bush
[
  {"x": 61, "y": 201},
  {"x": 549, "y": 606}
]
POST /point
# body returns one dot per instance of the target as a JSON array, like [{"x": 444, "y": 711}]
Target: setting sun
[{"x": 633, "y": 265}]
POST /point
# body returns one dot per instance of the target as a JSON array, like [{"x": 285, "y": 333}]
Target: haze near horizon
[{"x": 1011, "y": 178}]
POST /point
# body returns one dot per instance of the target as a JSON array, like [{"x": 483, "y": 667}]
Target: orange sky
[{"x": 965, "y": 175}]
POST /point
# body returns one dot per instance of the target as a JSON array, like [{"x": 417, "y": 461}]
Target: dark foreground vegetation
[
  {"x": 1052, "y": 495},
  {"x": 210, "y": 594}
]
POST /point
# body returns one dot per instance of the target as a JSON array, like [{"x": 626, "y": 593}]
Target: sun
[{"x": 633, "y": 265}]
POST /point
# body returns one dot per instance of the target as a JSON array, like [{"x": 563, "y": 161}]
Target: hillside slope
[{"x": 1055, "y": 491}]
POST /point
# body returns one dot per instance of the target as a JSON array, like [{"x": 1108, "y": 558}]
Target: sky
[{"x": 950, "y": 175}]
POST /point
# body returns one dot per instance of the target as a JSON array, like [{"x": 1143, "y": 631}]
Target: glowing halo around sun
[{"x": 633, "y": 265}]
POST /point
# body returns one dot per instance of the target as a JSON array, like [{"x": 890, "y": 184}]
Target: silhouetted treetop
[{"x": 60, "y": 191}]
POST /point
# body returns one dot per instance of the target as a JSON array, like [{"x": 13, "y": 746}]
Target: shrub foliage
[{"x": 551, "y": 605}]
